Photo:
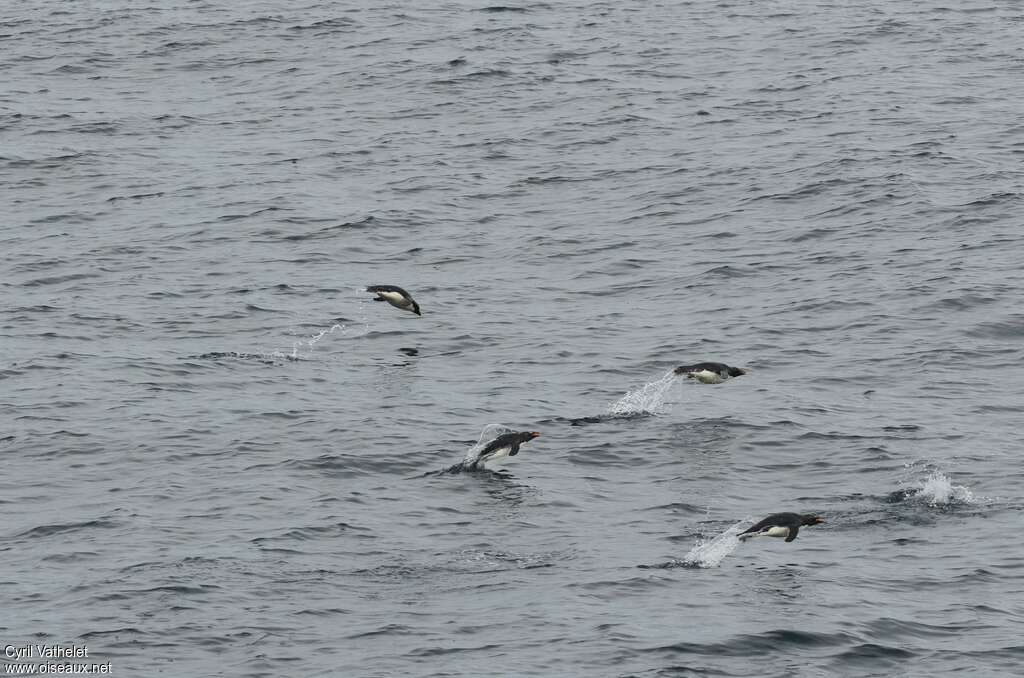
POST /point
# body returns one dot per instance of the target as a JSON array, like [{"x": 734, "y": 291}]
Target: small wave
[
  {"x": 59, "y": 279},
  {"x": 710, "y": 553},
  {"x": 647, "y": 399},
  {"x": 136, "y": 196},
  {"x": 317, "y": 532},
  {"x": 335, "y": 22},
  {"x": 116, "y": 633},
  {"x": 61, "y": 528},
  {"x": 760, "y": 644},
  {"x": 385, "y": 630},
  {"x": 329, "y": 232}
]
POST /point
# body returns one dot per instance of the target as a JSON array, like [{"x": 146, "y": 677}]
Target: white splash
[
  {"x": 312, "y": 340},
  {"x": 647, "y": 399},
  {"x": 489, "y": 433},
  {"x": 710, "y": 553},
  {"x": 279, "y": 355},
  {"x": 938, "y": 490}
]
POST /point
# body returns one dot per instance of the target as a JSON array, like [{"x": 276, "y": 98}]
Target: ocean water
[{"x": 220, "y": 453}]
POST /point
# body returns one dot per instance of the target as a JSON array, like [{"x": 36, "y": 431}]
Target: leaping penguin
[
  {"x": 781, "y": 525},
  {"x": 396, "y": 296},
  {"x": 709, "y": 373},
  {"x": 498, "y": 450}
]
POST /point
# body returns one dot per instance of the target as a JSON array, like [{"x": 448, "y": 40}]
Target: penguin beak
[
  {"x": 534, "y": 434},
  {"x": 818, "y": 520}
]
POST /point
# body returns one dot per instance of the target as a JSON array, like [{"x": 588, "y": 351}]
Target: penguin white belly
[
  {"x": 393, "y": 298},
  {"x": 707, "y": 377},
  {"x": 497, "y": 458},
  {"x": 776, "y": 532}
]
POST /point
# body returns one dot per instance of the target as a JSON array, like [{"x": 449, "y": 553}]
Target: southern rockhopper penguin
[
  {"x": 395, "y": 296},
  {"x": 498, "y": 450},
  {"x": 781, "y": 525},
  {"x": 709, "y": 373}
]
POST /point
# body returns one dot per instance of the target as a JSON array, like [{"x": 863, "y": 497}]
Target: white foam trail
[
  {"x": 710, "y": 553},
  {"x": 313, "y": 339},
  {"x": 647, "y": 399},
  {"x": 489, "y": 433},
  {"x": 278, "y": 355},
  {"x": 938, "y": 490}
]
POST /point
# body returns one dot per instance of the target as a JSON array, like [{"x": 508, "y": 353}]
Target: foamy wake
[
  {"x": 647, "y": 399},
  {"x": 710, "y": 553},
  {"x": 938, "y": 490},
  {"x": 309, "y": 343}
]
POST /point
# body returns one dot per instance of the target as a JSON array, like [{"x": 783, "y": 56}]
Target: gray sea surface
[{"x": 219, "y": 453}]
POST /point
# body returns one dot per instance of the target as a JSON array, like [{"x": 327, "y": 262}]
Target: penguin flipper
[
  {"x": 793, "y": 532},
  {"x": 379, "y": 299},
  {"x": 514, "y": 451}
]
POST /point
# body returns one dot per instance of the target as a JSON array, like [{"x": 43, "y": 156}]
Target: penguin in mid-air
[
  {"x": 498, "y": 450},
  {"x": 396, "y": 296},
  {"x": 781, "y": 525},
  {"x": 709, "y": 373}
]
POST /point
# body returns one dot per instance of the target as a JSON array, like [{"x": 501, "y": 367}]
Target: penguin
[
  {"x": 395, "y": 296},
  {"x": 709, "y": 373},
  {"x": 498, "y": 450},
  {"x": 781, "y": 525}
]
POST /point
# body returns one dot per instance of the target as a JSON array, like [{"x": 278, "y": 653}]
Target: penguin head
[
  {"x": 416, "y": 308},
  {"x": 811, "y": 519},
  {"x": 736, "y": 371}
]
